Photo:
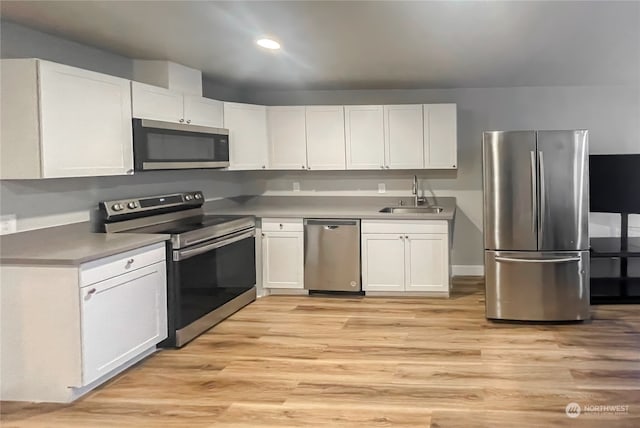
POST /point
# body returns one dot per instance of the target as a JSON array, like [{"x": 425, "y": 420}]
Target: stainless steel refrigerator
[{"x": 536, "y": 225}]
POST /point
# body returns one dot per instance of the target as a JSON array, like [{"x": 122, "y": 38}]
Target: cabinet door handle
[
  {"x": 264, "y": 166},
  {"x": 387, "y": 167},
  {"x": 381, "y": 166},
  {"x": 402, "y": 237},
  {"x": 406, "y": 237},
  {"x": 189, "y": 121},
  {"x": 129, "y": 263},
  {"x": 302, "y": 166},
  {"x": 181, "y": 120}
]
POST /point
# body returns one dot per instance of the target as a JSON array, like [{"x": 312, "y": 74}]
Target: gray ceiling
[{"x": 361, "y": 44}]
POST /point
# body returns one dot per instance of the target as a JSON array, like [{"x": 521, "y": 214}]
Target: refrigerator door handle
[
  {"x": 518, "y": 260},
  {"x": 543, "y": 197},
  {"x": 534, "y": 196}
]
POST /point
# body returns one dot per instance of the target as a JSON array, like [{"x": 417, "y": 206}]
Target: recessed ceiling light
[{"x": 268, "y": 43}]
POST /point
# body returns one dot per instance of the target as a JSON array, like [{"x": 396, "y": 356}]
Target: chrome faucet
[{"x": 414, "y": 190}]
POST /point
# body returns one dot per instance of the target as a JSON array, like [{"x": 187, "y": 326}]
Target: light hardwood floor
[{"x": 372, "y": 362}]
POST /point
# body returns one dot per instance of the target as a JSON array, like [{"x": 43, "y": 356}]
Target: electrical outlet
[
  {"x": 382, "y": 188},
  {"x": 296, "y": 186},
  {"x": 8, "y": 224}
]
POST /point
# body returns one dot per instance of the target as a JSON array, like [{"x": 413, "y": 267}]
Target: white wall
[
  {"x": 41, "y": 203},
  {"x": 611, "y": 114}
]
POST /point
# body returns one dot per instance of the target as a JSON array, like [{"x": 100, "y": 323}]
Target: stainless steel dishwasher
[{"x": 332, "y": 255}]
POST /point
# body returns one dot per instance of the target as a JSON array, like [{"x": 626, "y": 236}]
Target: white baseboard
[{"x": 468, "y": 270}]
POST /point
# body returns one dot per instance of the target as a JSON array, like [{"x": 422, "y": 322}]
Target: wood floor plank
[
  {"x": 299, "y": 361},
  {"x": 319, "y": 414}
]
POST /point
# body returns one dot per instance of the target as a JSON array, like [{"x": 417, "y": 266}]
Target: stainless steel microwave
[{"x": 166, "y": 145}]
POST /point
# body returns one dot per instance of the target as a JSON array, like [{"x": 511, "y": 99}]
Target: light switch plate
[
  {"x": 296, "y": 186},
  {"x": 382, "y": 188},
  {"x": 8, "y": 224}
]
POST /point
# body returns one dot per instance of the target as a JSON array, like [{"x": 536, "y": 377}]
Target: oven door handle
[{"x": 179, "y": 255}]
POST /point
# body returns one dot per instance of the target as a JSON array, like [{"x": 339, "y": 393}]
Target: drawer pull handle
[
  {"x": 90, "y": 293},
  {"x": 129, "y": 263}
]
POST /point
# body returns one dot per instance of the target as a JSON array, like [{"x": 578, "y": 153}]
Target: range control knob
[
  {"x": 117, "y": 207},
  {"x": 188, "y": 197},
  {"x": 132, "y": 205},
  {"x": 198, "y": 195}
]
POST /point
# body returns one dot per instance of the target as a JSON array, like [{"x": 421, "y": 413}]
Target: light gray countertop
[
  {"x": 74, "y": 244},
  {"x": 68, "y": 245},
  {"x": 362, "y": 207}
]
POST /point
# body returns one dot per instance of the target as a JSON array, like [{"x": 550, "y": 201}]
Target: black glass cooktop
[{"x": 187, "y": 225}]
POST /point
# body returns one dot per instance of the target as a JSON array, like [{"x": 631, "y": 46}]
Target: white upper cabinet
[
  {"x": 61, "y": 121},
  {"x": 325, "y": 137},
  {"x": 364, "y": 134},
  {"x": 440, "y": 136},
  {"x": 404, "y": 140},
  {"x": 248, "y": 139},
  {"x": 156, "y": 103},
  {"x": 203, "y": 111},
  {"x": 287, "y": 137}
]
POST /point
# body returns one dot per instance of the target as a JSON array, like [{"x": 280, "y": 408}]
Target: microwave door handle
[{"x": 188, "y": 253}]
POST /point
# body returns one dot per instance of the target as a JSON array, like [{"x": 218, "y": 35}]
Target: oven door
[
  {"x": 211, "y": 281},
  {"x": 166, "y": 145}
]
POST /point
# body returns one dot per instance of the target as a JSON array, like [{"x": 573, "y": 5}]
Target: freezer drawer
[
  {"x": 332, "y": 255},
  {"x": 537, "y": 286}
]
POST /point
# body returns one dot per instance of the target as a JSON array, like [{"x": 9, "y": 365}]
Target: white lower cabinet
[
  {"x": 282, "y": 254},
  {"x": 402, "y": 256},
  {"x": 426, "y": 262},
  {"x": 122, "y": 317},
  {"x": 66, "y": 329},
  {"x": 383, "y": 266}
]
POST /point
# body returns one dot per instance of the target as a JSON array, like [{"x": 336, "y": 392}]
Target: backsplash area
[{"x": 43, "y": 203}]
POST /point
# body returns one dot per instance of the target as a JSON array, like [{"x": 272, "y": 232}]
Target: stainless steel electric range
[{"x": 211, "y": 265}]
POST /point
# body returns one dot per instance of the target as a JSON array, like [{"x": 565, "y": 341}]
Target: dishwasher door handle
[
  {"x": 331, "y": 227},
  {"x": 331, "y": 223}
]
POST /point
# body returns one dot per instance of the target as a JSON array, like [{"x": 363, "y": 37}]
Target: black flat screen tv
[{"x": 614, "y": 183}]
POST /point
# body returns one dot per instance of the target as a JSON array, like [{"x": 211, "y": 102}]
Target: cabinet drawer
[
  {"x": 119, "y": 264},
  {"x": 282, "y": 225},
  {"x": 404, "y": 226}
]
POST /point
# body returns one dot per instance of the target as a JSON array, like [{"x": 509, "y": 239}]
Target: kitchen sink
[{"x": 412, "y": 210}]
